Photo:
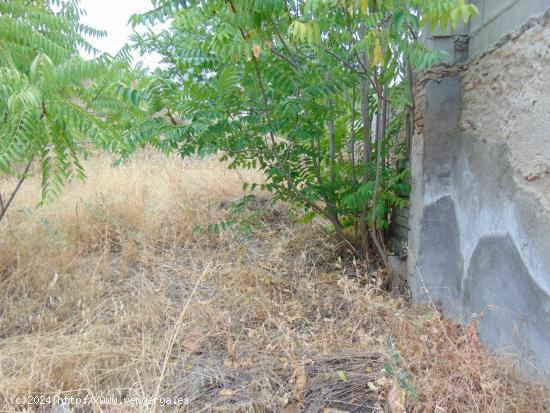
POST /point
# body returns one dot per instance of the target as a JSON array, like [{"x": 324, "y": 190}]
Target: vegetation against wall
[{"x": 314, "y": 93}]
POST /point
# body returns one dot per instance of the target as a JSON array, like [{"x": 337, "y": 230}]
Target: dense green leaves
[
  {"x": 52, "y": 102},
  {"x": 314, "y": 93}
]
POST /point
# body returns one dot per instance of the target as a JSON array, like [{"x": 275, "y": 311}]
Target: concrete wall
[
  {"x": 499, "y": 17},
  {"x": 496, "y": 20},
  {"x": 479, "y": 241}
]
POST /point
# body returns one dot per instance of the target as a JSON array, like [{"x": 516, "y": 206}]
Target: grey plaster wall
[
  {"x": 479, "y": 241},
  {"x": 495, "y": 20},
  {"x": 498, "y": 17}
]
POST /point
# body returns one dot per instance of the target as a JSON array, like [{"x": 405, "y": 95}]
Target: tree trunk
[{"x": 366, "y": 120}]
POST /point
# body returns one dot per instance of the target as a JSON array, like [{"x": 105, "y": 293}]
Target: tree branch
[{"x": 6, "y": 205}]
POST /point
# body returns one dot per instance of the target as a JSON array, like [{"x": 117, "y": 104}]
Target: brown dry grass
[{"x": 106, "y": 292}]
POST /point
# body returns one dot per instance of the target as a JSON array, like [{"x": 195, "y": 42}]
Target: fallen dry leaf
[
  {"x": 231, "y": 363},
  {"x": 226, "y": 392},
  {"x": 256, "y": 49},
  {"x": 231, "y": 348},
  {"x": 395, "y": 400},
  {"x": 190, "y": 342},
  {"x": 299, "y": 380},
  {"x": 300, "y": 383}
]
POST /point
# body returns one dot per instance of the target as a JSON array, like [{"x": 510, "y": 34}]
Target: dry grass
[{"x": 106, "y": 292}]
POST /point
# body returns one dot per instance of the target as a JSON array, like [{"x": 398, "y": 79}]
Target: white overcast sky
[{"x": 112, "y": 16}]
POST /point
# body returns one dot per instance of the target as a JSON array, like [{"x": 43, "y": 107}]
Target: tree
[
  {"x": 51, "y": 99},
  {"x": 312, "y": 92}
]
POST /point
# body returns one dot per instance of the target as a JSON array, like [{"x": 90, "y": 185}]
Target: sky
[{"x": 112, "y": 16}]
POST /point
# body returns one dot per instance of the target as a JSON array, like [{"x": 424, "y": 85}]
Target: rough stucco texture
[
  {"x": 480, "y": 206},
  {"x": 506, "y": 100}
]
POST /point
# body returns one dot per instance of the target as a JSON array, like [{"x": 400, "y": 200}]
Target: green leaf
[
  {"x": 308, "y": 217},
  {"x": 342, "y": 376}
]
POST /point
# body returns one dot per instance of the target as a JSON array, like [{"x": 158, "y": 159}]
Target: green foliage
[
  {"x": 51, "y": 100},
  {"x": 400, "y": 377},
  {"x": 244, "y": 215},
  {"x": 313, "y": 93}
]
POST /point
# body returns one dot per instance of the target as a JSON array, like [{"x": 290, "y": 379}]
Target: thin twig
[
  {"x": 172, "y": 339},
  {"x": 17, "y": 187}
]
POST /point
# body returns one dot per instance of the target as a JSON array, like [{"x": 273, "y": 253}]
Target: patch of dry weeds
[{"x": 106, "y": 292}]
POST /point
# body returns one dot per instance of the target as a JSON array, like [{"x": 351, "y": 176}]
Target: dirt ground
[{"x": 112, "y": 300}]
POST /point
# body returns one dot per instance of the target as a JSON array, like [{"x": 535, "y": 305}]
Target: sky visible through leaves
[{"x": 113, "y": 16}]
